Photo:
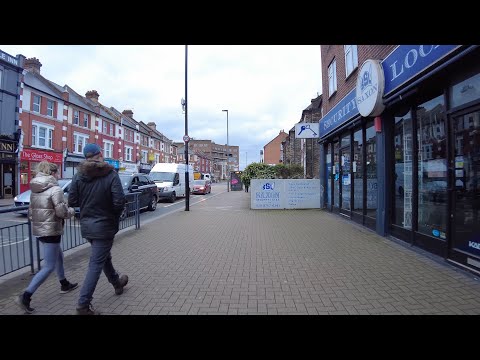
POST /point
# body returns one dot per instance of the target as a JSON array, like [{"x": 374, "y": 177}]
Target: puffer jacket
[
  {"x": 96, "y": 188},
  {"x": 48, "y": 208}
]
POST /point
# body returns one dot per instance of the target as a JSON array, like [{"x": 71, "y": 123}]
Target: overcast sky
[{"x": 264, "y": 87}]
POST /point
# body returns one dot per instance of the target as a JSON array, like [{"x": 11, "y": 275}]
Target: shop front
[
  {"x": 350, "y": 162},
  {"x": 8, "y": 166},
  {"x": 29, "y": 160},
  {"x": 408, "y": 164},
  {"x": 433, "y": 153}
]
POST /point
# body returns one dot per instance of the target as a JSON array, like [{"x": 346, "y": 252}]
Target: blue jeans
[
  {"x": 100, "y": 259},
  {"x": 53, "y": 257}
]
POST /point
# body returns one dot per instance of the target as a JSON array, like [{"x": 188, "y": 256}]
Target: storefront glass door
[{"x": 466, "y": 187}]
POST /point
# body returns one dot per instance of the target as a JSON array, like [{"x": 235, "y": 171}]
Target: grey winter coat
[
  {"x": 47, "y": 206},
  {"x": 96, "y": 188}
]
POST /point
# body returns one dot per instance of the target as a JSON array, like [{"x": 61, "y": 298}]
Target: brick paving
[{"x": 223, "y": 258}]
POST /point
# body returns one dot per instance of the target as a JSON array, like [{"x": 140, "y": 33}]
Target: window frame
[
  {"x": 351, "y": 51},
  {"x": 107, "y": 149},
  {"x": 48, "y": 108},
  {"x": 76, "y": 117},
  {"x": 48, "y": 138},
  {"x": 332, "y": 78},
  {"x": 35, "y": 104},
  {"x": 76, "y": 136},
  {"x": 128, "y": 150}
]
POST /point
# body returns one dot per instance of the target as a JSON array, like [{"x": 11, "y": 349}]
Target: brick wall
[{"x": 345, "y": 85}]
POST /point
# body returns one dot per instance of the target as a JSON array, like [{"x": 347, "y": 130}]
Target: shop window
[
  {"x": 371, "y": 167},
  {"x": 432, "y": 168},
  {"x": 402, "y": 177},
  {"x": 329, "y": 175},
  {"x": 336, "y": 175},
  {"x": 357, "y": 170}
]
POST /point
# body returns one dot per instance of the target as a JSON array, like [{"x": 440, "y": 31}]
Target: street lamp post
[
  {"x": 228, "y": 154},
  {"x": 186, "y": 139}
]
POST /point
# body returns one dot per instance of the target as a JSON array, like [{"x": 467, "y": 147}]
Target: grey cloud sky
[{"x": 264, "y": 87}]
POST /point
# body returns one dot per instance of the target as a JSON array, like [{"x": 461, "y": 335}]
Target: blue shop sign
[
  {"x": 114, "y": 163},
  {"x": 345, "y": 110},
  {"x": 407, "y": 61}
]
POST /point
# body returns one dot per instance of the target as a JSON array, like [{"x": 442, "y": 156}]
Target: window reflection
[
  {"x": 358, "y": 171},
  {"x": 403, "y": 140},
  {"x": 465, "y": 91},
  {"x": 432, "y": 168},
  {"x": 371, "y": 166}
]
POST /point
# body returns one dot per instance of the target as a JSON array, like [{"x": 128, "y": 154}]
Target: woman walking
[{"x": 47, "y": 212}]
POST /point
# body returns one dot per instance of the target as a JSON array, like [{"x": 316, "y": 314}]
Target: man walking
[{"x": 96, "y": 188}]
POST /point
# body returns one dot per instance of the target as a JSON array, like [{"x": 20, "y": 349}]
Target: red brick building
[{"x": 273, "y": 151}]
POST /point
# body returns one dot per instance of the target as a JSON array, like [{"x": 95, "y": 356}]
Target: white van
[
  {"x": 170, "y": 180},
  {"x": 207, "y": 177}
]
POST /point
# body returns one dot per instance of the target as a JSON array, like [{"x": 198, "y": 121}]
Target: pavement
[{"x": 221, "y": 257}]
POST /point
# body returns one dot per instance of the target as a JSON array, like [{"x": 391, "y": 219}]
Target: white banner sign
[{"x": 306, "y": 130}]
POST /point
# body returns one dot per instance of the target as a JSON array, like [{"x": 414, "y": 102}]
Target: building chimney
[
  {"x": 33, "y": 65},
  {"x": 128, "y": 113},
  {"x": 65, "y": 94},
  {"x": 92, "y": 95},
  {"x": 152, "y": 125}
]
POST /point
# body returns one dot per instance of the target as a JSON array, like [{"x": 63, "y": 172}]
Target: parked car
[
  {"x": 201, "y": 187},
  {"x": 23, "y": 199},
  {"x": 143, "y": 184}
]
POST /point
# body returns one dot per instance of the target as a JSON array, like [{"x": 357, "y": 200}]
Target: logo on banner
[{"x": 370, "y": 88}]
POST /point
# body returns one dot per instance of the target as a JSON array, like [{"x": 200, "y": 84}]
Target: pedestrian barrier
[{"x": 20, "y": 249}]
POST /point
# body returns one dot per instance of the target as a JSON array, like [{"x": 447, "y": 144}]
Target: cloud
[{"x": 264, "y": 87}]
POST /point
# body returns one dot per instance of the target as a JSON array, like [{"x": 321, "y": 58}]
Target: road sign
[{"x": 186, "y": 138}]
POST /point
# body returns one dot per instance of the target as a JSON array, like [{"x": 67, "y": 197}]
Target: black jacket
[{"x": 97, "y": 190}]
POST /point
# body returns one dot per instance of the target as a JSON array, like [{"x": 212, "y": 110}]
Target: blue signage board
[
  {"x": 114, "y": 163},
  {"x": 406, "y": 61},
  {"x": 345, "y": 110},
  {"x": 9, "y": 58}
]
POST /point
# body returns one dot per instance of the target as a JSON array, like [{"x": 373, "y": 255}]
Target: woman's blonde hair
[{"x": 46, "y": 167}]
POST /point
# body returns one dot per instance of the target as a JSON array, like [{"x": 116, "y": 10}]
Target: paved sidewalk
[{"x": 223, "y": 258}]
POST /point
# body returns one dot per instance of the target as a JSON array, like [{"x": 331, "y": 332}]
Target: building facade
[
  {"x": 11, "y": 92},
  {"x": 400, "y": 143},
  {"x": 273, "y": 151},
  {"x": 305, "y": 152},
  {"x": 56, "y": 123}
]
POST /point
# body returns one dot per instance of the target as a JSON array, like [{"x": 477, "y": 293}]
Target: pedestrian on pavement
[
  {"x": 47, "y": 213},
  {"x": 96, "y": 188},
  {"x": 246, "y": 187}
]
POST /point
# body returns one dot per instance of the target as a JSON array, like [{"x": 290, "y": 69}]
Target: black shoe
[
  {"x": 122, "y": 281},
  {"x": 24, "y": 304},
  {"x": 68, "y": 287},
  {"x": 87, "y": 310}
]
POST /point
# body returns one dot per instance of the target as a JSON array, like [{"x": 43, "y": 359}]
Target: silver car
[{"x": 23, "y": 199}]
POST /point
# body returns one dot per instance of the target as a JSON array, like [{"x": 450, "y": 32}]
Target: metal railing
[{"x": 20, "y": 249}]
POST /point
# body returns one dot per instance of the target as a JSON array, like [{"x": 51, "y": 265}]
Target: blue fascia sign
[
  {"x": 9, "y": 58},
  {"x": 400, "y": 66},
  {"x": 345, "y": 110},
  {"x": 407, "y": 61}
]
